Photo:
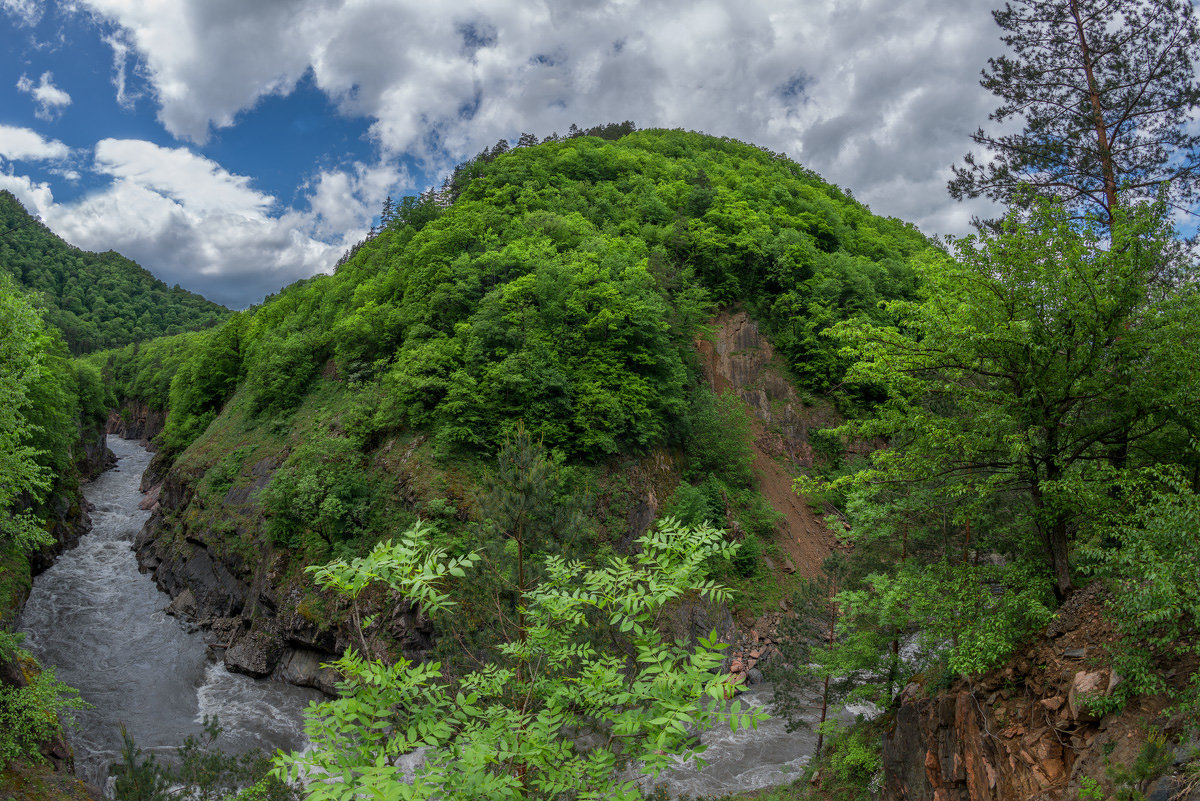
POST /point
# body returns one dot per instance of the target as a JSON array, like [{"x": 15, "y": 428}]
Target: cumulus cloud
[
  {"x": 23, "y": 144},
  {"x": 875, "y": 95},
  {"x": 26, "y": 12},
  {"x": 189, "y": 221},
  {"x": 36, "y": 196},
  {"x": 49, "y": 98}
]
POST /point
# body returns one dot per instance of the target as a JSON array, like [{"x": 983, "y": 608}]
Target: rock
[
  {"x": 754, "y": 676},
  {"x": 1075, "y": 653},
  {"x": 1053, "y": 704},
  {"x": 151, "y": 500},
  {"x": 737, "y": 665},
  {"x": 255, "y": 654},
  {"x": 788, "y": 567},
  {"x": 304, "y": 667},
  {"x": 1084, "y": 683},
  {"x": 183, "y": 605}
]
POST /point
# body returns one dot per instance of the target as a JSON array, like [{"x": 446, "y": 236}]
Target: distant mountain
[{"x": 98, "y": 300}]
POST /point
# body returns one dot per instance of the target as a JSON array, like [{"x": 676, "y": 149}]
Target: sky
[{"x": 233, "y": 147}]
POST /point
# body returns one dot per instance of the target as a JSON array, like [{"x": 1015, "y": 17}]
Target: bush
[{"x": 30, "y": 715}]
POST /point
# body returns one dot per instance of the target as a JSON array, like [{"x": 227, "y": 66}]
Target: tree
[
  {"x": 1106, "y": 90},
  {"x": 520, "y": 510},
  {"x": 1021, "y": 366},
  {"x": 32, "y": 707},
  {"x": 490, "y": 735},
  {"x": 23, "y": 344}
]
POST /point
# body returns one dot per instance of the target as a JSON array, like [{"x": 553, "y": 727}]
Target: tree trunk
[
  {"x": 1060, "y": 563},
  {"x": 1106, "y": 157}
]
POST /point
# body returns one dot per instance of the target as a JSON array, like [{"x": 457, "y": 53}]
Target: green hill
[
  {"x": 98, "y": 300},
  {"x": 563, "y": 291}
]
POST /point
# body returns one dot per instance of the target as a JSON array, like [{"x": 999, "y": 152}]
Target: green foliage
[
  {"x": 854, "y": 764},
  {"x": 1131, "y": 782},
  {"x": 1027, "y": 380},
  {"x": 322, "y": 487},
  {"x": 564, "y": 287},
  {"x": 97, "y": 300},
  {"x": 1017, "y": 385},
  {"x": 972, "y": 616},
  {"x": 141, "y": 777},
  {"x": 45, "y": 401},
  {"x": 717, "y": 441},
  {"x": 23, "y": 341},
  {"x": 511, "y": 732},
  {"x": 1149, "y": 559},
  {"x": 32, "y": 714}
]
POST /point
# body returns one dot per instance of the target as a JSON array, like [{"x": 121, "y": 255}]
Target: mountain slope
[
  {"x": 562, "y": 293},
  {"x": 98, "y": 300}
]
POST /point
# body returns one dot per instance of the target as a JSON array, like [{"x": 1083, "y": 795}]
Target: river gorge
[{"x": 102, "y": 624}]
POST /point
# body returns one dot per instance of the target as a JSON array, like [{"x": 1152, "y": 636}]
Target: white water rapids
[{"x": 100, "y": 623}]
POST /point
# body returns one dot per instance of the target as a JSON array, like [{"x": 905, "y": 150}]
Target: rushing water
[
  {"x": 100, "y": 622},
  {"x": 748, "y": 759}
]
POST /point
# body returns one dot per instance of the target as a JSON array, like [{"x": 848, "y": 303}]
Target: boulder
[
  {"x": 1085, "y": 683},
  {"x": 255, "y": 654}
]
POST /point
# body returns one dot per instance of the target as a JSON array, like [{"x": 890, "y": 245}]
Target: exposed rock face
[
  {"x": 136, "y": 420},
  {"x": 92, "y": 456},
  {"x": 739, "y": 359},
  {"x": 1023, "y": 731},
  {"x": 68, "y": 518},
  {"x": 237, "y": 600}
]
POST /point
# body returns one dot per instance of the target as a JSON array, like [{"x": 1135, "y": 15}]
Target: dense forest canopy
[
  {"x": 564, "y": 288},
  {"x": 97, "y": 300}
]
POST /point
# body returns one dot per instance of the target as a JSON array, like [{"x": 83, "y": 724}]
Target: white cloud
[
  {"x": 180, "y": 175},
  {"x": 190, "y": 221},
  {"x": 121, "y": 50},
  {"x": 341, "y": 200},
  {"x": 873, "y": 94},
  {"x": 49, "y": 98},
  {"x": 23, "y": 144},
  {"x": 36, "y": 196},
  {"x": 27, "y": 12}
]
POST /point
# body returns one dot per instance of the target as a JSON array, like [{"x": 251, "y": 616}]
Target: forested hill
[
  {"x": 98, "y": 300},
  {"x": 564, "y": 287}
]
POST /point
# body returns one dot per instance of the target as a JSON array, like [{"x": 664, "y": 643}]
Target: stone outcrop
[
  {"x": 136, "y": 420},
  {"x": 66, "y": 509},
  {"x": 249, "y": 614},
  {"x": 1024, "y": 731}
]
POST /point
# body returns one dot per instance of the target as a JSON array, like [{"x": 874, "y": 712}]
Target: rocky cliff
[
  {"x": 136, "y": 420},
  {"x": 237, "y": 599},
  {"x": 1024, "y": 731}
]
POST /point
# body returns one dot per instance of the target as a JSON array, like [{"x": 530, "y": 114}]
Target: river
[{"x": 100, "y": 622}]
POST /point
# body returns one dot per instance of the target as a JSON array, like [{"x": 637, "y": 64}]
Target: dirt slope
[{"x": 739, "y": 359}]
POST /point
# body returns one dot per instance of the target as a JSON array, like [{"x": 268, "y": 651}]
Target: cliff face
[
  {"x": 136, "y": 420},
  {"x": 234, "y": 597},
  {"x": 1023, "y": 731},
  {"x": 68, "y": 517}
]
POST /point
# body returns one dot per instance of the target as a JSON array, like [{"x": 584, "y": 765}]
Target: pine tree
[
  {"x": 1106, "y": 89},
  {"x": 388, "y": 214}
]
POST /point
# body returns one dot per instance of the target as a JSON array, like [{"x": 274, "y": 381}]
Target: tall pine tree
[{"x": 1106, "y": 90}]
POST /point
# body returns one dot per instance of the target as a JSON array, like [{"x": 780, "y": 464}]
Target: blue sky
[{"x": 234, "y": 147}]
